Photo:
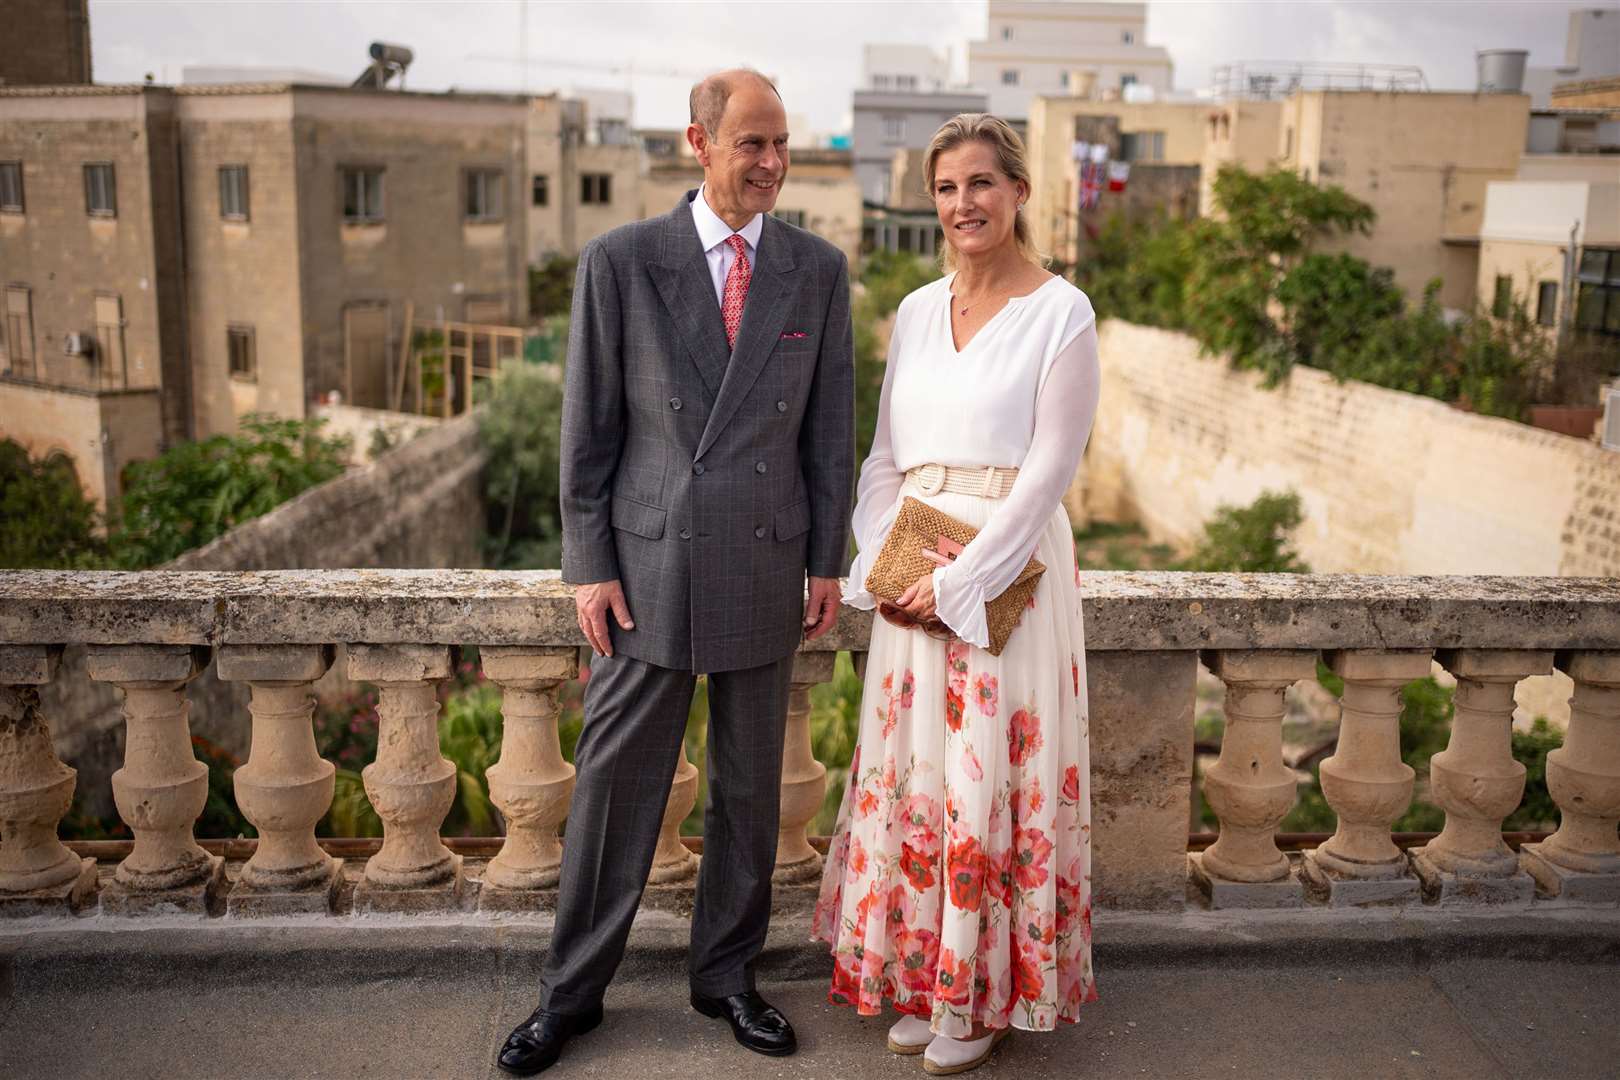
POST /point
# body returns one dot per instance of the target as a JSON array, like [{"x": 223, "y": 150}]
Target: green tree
[
  {"x": 551, "y": 286},
  {"x": 521, "y": 430},
  {"x": 1257, "y": 538},
  {"x": 196, "y": 491},
  {"x": 48, "y": 520}
]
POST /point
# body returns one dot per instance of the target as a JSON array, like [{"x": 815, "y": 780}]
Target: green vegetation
[
  {"x": 49, "y": 522},
  {"x": 521, "y": 430},
  {"x": 551, "y": 286},
  {"x": 1253, "y": 539},
  {"x": 887, "y": 277},
  {"x": 1249, "y": 286},
  {"x": 196, "y": 491}
]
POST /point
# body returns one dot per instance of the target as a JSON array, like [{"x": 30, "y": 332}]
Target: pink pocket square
[{"x": 793, "y": 335}]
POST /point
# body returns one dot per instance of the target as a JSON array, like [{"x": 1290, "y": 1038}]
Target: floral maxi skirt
[{"x": 958, "y": 883}]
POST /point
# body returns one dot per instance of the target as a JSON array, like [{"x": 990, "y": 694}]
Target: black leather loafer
[
  {"x": 536, "y": 1044},
  {"x": 756, "y": 1022}
]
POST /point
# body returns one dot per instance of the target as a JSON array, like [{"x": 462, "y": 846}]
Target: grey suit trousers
[{"x": 635, "y": 718}]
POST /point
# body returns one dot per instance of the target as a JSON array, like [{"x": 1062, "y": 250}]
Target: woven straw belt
[{"x": 988, "y": 481}]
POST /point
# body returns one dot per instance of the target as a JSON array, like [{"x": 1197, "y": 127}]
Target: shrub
[
  {"x": 1251, "y": 539},
  {"x": 48, "y": 520},
  {"x": 551, "y": 286},
  {"x": 521, "y": 431}
]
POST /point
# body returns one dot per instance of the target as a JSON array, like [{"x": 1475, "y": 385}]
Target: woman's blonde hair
[{"x": 1011, "y": 159}]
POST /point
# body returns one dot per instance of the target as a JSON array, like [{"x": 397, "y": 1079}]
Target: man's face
[{"x": 746, "y": 160}]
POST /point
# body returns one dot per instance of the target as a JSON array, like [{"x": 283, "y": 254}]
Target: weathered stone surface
[
  {"x": 1141, "y": 775},
  {"x": 29, "y": 665},
  {"x": 191, "y": 898},
  {"x": 273, "y": 663},
  {"x": 531, "y": 784},
  {"x": 1568, "y": 885},
  {"x": 63, "y": 898},
  {"x": 1135, "y": 610},
  {"x": 247, "y": 901},
  {"x": 1338, "y": 891},
  {"x": 1453, "y": 890},
  {"x": 1222, "y": 893},
  {"x": 448, "y": 894}
]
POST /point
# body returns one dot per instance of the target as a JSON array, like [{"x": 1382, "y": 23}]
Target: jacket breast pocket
[
  {"x": 793, "y": 520},
  {"x": 640, "y": 518}
]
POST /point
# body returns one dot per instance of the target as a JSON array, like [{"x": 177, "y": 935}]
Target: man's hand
[
  {"x": 592, "y": 603},
  {"x": 822, "y": 611}
]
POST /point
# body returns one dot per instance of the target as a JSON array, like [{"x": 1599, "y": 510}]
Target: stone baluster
[
  {"x": 411, "y": 784},
  {"x": 1366, "y": 782},
  {"x": 531, "y": 784},
  {"x": 162, "y": 787},
  {"x": 672, "y": 862},
  {"x": 1581, "y": 861},
  {"x": 1477, "y": 782},
  {"x": 804, "y": 779},
  {"x": 285, "y": 788},
  {"x": 37, "y": 873},
  {"x": 1250, "y": 788}
]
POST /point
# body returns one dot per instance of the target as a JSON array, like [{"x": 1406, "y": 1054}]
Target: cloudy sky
[{"x": 812, "y": 46}]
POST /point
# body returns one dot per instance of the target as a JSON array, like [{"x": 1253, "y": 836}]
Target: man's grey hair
[{"x": 709, "y": 97}]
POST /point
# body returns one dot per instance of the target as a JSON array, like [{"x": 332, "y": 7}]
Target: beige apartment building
[
  {"x": 821, "y": 193},
  {"x": 174, "y": 258},
  {"x": 1149, "y": 134},
  {"x": 583, "y": 180},
  {"x": 1554, "y": 246}
]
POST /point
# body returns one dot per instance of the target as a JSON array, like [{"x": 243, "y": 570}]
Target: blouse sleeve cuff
[
  {"x": 961, "y": 605},
  {"x": 854, "y": 592}
]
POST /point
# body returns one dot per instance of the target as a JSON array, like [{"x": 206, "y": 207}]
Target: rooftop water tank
[{"x": 1501, "y": 71}]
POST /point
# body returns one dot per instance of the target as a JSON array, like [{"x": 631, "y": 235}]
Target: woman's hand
[{"x": 918, "y": 601}]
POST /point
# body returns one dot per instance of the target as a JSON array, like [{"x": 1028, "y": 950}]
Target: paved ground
[{"x": 1182, "y": 996}]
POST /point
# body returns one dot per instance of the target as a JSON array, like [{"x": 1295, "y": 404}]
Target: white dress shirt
[{"x": 712, "y": 234}]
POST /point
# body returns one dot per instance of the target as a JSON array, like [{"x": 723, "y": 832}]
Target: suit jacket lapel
[
  {"x": 770, "y": 297},
  {"x": 682, "y": 277}
]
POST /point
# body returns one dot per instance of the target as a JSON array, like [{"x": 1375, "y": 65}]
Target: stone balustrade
[{"x": 279, "y": 632}]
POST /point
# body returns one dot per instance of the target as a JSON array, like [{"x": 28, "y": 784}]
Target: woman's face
[{"x": 977, "y": 203}]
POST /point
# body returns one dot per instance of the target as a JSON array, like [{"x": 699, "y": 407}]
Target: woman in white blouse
[{"x": 958, "y": 886}]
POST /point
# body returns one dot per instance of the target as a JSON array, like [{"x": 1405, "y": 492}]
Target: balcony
[{"x": 171, "y": 910}]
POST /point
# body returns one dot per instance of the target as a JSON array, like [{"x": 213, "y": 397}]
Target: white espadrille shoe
[
  {"x": 946, "y": 1057},
  {"x": 911, "y": 1035}
]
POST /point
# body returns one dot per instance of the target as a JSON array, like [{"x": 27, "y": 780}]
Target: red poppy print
[
  {"x": 1023, "y": 736},
  {"x": 1028, "y": 982},
  {"x": 998, "y": 877},
  {"x": 918, "y": 819},
  {"x": 954, "y": 982},
  {"x": 953, "y": 710},
  {"x": 908, "y": 688},
  {"x": 1074, "y": 670},
  {"x": 846, "y": 983},
  {"x": 964, "y": 868},
  {"x": 985, "y": 693},
  {"x": 1068, "y": 905},
  {"x": 1071, "y": 784},
  {"x": 918, "y": 868},
  {"x": 917, "y": 952},
  {"x": 956, "y": 666},
  {"x": 971, "y": 766},
  {"x": 1031, "y": 850}
]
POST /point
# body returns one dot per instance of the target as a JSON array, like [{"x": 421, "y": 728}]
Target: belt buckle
[{"x": 931, "y": 479}]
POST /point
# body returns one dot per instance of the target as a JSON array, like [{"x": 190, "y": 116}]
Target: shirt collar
[{"x": 712, "y": 231}]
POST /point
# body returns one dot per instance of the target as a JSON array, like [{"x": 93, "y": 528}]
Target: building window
[
  {"x": 596, "y": 189},
  {"x": 792, "y": 217},
  {"x": 1127, "y": 79},
  {"x": 1597, "y": 308},
  {"x": 905, "y": 82},
  {"x": 110, "y": 341},
  {"x": 100, "y": 190},
  {"x": 233, "y": 192},
  {"x": 1547, "y": 303},
  {"x": 894, "y": 128},
  {"x": 1127, "y": 37},
  {"x": 880, "y": 82},
  {"x": 19, "y": 335},
  {"x": 1006, "y": 33},
  {"x": 242, "y": 357},
  {"x": 485, "y": 188},
  {"x": 1502, "y": 302},
  {"x": 11, "y": 188},
  {"x": 1141, "y": 146},
  {"x": 1009, "y": 76},
  {"x": 1063, "y": 79},
  {"x": 362, "y": 195},
  {"x": 542, "y": 190}
]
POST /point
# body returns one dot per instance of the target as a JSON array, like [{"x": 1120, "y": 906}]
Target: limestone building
[
  {"x": 174, "y": 258},
  {"x": 904, "y": 96},
  {"x": 57, "y": 42},
  {"x": 1035, "y": 49}
]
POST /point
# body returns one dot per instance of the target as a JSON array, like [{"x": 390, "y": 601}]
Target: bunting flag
[
  {"x": 1080, "y": 151},
  {"x": 1091, "y": 182},
  {"x": 1118, "y": 173}
]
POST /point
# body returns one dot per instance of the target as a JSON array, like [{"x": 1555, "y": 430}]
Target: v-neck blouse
[{"x": 1021, "y": 394}]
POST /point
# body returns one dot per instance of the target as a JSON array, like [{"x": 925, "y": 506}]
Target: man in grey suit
[{"x": 707, "y": 466}]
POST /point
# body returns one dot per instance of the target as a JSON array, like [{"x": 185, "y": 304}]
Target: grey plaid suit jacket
[{"x": 707, "y": 481}]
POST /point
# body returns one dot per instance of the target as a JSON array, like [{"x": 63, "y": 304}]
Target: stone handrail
[{"x": 150, "y": 633}]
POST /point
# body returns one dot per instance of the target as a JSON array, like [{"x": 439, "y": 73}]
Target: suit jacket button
[
  {"x": 759, "y": 533},
  {"x": 675, "y": 403},
  {"x": 781, "y": 406},
  {"x": 697, "y": 468},
  {"x": 686, "y": 534},
  {"x": 759, "y": 467}
]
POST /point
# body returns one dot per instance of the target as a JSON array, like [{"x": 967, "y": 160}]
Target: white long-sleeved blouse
[{"x": 1021, "y": 394}]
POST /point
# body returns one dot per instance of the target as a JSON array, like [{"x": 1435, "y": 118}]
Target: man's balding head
[{"x": 709, "y": 97}]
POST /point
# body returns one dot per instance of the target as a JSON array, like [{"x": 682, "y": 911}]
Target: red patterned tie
[{"x": 731, "y": 308}]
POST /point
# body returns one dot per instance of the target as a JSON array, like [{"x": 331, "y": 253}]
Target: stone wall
[
  {"x": 1392, "y": 483},
  {"x": 417, "y": 506}
]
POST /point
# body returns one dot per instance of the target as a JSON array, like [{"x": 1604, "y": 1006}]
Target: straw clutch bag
[{"x": 899, "y": 564}]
